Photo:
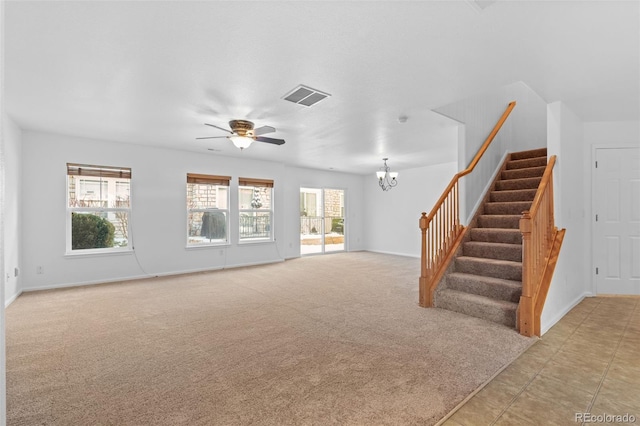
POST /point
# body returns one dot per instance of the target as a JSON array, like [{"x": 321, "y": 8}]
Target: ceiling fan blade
[
  {"x": 263, "y": 130},
  {"x": 218, "y": 127},
  {"x": 213, "y": 137},
  {"x": 270, "y": 140}
]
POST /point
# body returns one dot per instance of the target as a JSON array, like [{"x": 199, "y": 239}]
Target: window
[
  {"x": 255, "y": 197},
  {"x": 98, "y": 208},
  {"x": 207, "y": 209}
]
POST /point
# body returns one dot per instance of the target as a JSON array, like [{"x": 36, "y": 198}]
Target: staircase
[{"x": 485, "y": 278}]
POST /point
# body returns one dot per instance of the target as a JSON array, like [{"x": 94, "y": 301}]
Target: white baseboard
[
  {"x": 395, "y": 253},
  {"x": 11, "y": 299},
  {"x": 546, "y": 326},
  {"x": 140, "y": 277}
]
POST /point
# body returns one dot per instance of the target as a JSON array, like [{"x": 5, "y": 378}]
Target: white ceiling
[{"x": 153, "y": 72}]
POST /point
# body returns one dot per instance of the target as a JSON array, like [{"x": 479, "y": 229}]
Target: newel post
[
  {"x": 526, "y": 299},
  {"x": 425, "y": 295}
]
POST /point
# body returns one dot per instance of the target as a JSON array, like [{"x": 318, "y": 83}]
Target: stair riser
[
  {"x": 515, "y": 207},
  {"x": 529, "y": 183},
  {"x": 493, "y": 236},
  {"x": 485, "y": 279},
  {"x": 517, "y": 195},
  {"x": 488, "y": 221},
  {"x": 477, "y": 286},
  {"x": 527, "y": 162},
  {"x": 522, "y": 173},
  {"x": 497, "y": 252},
  {"x": 488, "y": 269},
  {"x": 489, "y": 313}
]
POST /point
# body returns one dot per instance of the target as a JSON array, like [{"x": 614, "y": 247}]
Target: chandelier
[{"x": 386, "y": 178}]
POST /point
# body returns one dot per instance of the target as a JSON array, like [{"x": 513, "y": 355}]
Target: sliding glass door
[{"x": 321, "y": 220}]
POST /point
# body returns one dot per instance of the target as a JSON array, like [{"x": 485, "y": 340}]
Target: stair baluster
[{"x": 441, "y": 229}]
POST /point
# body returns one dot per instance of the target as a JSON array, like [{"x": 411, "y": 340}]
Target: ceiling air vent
[{"x": 306, "y": 96}]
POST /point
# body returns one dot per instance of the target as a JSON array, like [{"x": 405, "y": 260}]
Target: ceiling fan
[{"x": 242, "y": 134}]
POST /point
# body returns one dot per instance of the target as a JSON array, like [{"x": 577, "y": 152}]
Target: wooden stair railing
[
  {"x": 541, "y": 242},
  {"x": 441, "y": 229}
]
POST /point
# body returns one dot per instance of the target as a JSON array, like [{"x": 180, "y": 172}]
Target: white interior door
[{"x": 617, "y": 227}]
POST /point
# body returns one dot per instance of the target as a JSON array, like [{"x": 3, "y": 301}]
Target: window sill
[
  {"x": 208, "y": 246},
  {"x": 256, "y": 241},
  {"x": 92, "y": 253}
]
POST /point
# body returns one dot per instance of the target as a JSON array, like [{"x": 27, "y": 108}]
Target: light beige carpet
[{"x": 336, "y": 339}]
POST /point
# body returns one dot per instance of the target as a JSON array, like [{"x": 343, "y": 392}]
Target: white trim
[
  {"x": 345, "y": 225},
  {"x": 70, "y": 210},
  {"x": 594, "y": 148},
  {"x": 98, "y": 252},
  {"x": 393, "y": 253},
  {"x": 547, "y": 325},
  {"x": 208, "y": 245},
  {"x": 141, "y": 277},
  {"x": 12, "y": 299},
  {"x": 227, "y": 214},
  {"x": 248, "y": 242},
  {"x": 486, "y": 188}
]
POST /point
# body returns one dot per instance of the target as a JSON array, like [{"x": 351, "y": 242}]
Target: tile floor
[{"x": 589, "y": 362}]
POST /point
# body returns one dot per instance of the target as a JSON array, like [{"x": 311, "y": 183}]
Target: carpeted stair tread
[
  {"x": 526, "y": 162},
  {"x": 523, "y": 173},
  {"x": 539, "y": 152},
  {"x": 485, "y": 279},
  {"x": 499, "y": 221},
  {"x": 495, "y": 288},
  {"x": 496, "y": 235},
  {"x": 499, "y": 311},
  {"x": 513, "y": 195},
  {"x": 501, "y": 251},
  {"x": 496, "y": 268},
  {"x": 524, "y": 183},
  {"x": 506, "y": 208}
]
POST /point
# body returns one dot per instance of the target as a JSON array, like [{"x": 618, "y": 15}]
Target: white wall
[
  {"x": 391, "y": 217},
  {"x": 3, "y": 371},
  {"x": 525, "y": 129},
  {"x": 565, "y": 140},
  {"x": 601, "y": 134},
  {"x": 12, "y": 148},
  {"x": 158, "y": 210}
]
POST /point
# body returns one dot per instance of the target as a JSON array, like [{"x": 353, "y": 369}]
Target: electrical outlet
[{"x": 39, "y": 270}]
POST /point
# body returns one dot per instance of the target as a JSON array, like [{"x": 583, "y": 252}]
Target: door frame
[
  {"x": 322, "y": 190},
  {"x": 592, "y": 205}
]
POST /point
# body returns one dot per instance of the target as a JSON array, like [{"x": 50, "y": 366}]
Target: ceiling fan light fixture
[{"x": 241, "y": 142}]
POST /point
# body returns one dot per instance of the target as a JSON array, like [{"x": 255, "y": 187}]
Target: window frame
[
  {"x": 217, "y": 181},
  {"x": 256, "y": 183},
  {"x": 99, "y": 172}
]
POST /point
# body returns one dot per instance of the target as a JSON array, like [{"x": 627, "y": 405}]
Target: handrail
[
  {"x": 476, "y": 159},
  {"x": 489, "y": 139},
  {"x": 440, "y": 241},
  {"x": 544, "y": 182},
  {"x": 541, "y": 242}
]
